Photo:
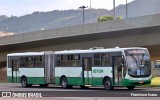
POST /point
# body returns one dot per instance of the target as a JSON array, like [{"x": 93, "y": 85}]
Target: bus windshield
[{"x": 138, "y": 63}]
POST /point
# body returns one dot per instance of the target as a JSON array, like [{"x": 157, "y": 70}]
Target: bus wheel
[
  {"x": 24, "y": 82},
  {"x": 130, "y": 87},
  {"x": 108, "y": 84},
  {"x": 64, "y": 83}
]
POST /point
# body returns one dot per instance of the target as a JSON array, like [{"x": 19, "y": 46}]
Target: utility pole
[
  {"x": 114, "y": 9},
  {"x": 126, "y": 9},
  {"x": 83, "y": 7},
  {"x": 90, "y": 10}
]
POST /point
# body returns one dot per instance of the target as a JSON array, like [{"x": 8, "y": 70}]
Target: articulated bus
[{"x": 110, "y": 68}]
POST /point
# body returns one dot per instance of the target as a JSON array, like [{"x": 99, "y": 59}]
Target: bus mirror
[
  {"x": 123, "y": 61},
  {"x": 122, "y": 57}
]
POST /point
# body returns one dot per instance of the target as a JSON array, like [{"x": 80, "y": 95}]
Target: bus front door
[
  {"x": 15, "y": 71},
  {"x": 87, "y": 70},
  {"x": 117, "y": 70}
]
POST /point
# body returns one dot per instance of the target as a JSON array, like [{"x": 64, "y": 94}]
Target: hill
[
  {"x": 48, "y": 20},
  {"x": 61, "y": 18}
]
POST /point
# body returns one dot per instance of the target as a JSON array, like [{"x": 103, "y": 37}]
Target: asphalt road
[{"x": 93, "y": 93}]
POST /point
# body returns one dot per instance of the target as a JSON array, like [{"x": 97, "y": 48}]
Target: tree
[
  {"x": 119, "y": 17},
  {"x": 106, "y": 18}
]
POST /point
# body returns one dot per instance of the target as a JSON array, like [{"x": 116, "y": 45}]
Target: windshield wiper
[{"x": 134, "y": 59}]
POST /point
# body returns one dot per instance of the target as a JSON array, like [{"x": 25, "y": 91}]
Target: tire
[
  {"x": 24, "y": 82},
  {"x": 83, "y": 87},
  {"x": 130, "y": 87},
  {"x": 64, "y": 83},
  {"x": 108, "y": 84}
]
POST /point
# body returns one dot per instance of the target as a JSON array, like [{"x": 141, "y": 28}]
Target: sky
[{"x": 23, "y": 7}]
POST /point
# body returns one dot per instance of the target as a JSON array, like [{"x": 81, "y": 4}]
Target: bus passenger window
[
  {"x": 105, "y": 59},
  {"x": 75, "y": 60},
  {"x": 97, "y": 60},
  {"x": 101, "y": 59},
  {"x": 30, "y": 62},
  {"x": 38, "y": 61},
  {"x": 22, "y": 60},
  {"x": 27, "y": 62},
  {"x": 65, "y": 60},
  {"x": 97, "y": 63},
  {"x": 58, "y": 63}
]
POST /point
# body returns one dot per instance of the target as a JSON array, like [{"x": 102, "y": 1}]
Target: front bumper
[{"x": 127, "y": 82}]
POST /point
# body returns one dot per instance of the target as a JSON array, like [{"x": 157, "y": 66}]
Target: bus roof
[
  {"x": 26, "y": 54},
  {"x": 96, "y": 50},
  {"x": 91, "y": 50}
]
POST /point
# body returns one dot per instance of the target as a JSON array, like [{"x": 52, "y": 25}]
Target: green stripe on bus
[
  {"x": 97, "y": 81},
  {"x": 15, "y": 80},
  {"x": 127, "y": 82},
  {"x": 35, "y": 80},
  {"x": 30, "y": 80},
  {"x": 79, "y": 81}
]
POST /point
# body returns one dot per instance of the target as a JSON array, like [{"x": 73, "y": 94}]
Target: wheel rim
[
  {"x": 64, "y": 83},
  {"x": 24, "y": 82},
  {"x": 107, "y": 84}
]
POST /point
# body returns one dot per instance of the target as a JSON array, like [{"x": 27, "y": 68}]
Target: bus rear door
[
  {"x": 15, "y": 70},
  {"x": 87, "y": 70}
]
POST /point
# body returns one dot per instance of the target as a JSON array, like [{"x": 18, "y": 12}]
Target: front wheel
[
  {"x": 108, "y": 84},
  {"x": 130, "y": 87}
]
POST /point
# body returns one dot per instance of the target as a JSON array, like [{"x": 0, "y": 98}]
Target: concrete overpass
[{"x": 140, "y": 31}]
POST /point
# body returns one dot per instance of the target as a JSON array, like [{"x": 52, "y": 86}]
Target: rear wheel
[
  {"x": 108, "y": 84},
  {"x": 130, "y": 87},
  {"x": 24, "y": 82},
  {"x": 64, "y": 83}
]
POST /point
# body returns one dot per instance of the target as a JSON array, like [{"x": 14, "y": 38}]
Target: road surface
[{"x": 57, "y": 93}]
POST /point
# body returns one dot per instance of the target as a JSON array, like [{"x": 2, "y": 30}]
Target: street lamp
[
  {"x": 90, "y": 11},
  {"x": 114, "y": 9},
  {"x": 126, "y": 9},
  {"x": 83, "y": 7}
]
